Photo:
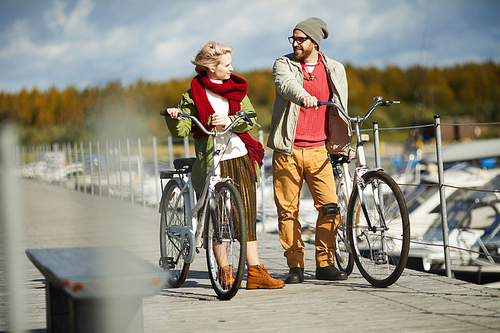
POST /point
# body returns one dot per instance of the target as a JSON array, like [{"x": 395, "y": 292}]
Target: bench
[{"x": 95, "y": 289}]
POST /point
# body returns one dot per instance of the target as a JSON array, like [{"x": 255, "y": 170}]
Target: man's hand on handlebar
[{"x": 310, "y": 102}]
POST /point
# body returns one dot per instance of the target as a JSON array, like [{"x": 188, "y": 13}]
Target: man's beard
[{"x": 304, "y": 55}]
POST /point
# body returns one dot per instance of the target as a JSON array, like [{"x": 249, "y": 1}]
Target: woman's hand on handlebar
[
  {"x": 174, "y": 113},
  {"x": 219, "y": 119},
  {"x": 310, "y": 102}
]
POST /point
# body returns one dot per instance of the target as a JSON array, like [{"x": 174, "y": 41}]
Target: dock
[{"x": 54, "y": 217}]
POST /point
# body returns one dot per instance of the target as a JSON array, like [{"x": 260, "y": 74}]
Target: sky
[{"x": 82, "y": 43}]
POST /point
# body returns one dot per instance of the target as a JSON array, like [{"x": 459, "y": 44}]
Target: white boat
[
  {"x": 473, "y": 222},
  {"x": 424, "y": 201}
]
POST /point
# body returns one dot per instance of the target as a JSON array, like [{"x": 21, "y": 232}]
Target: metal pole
[
  {"x": 186, "y": 146},
  {"x": 378, "y": 162},
  {"x": 140, "y": 170},
  {"x": 107, "y": 167},
  {"x": 77, "y": 172},
  {"x": 83, "y": 168},
  {"x": 11, "y": 227},
  {"x": 91, "y": 169},
  {"x": 156, "y": 176},
  {"x": 130, "y": 173},
  {"x": 262, "y": 180},
  {"x": 170, "y": 152},
  {"x": 70, "y": 160},
  {"x": 99, "y": 167},
  {"x": 444, "y": 217},
  {"x": 120, "y": 166},
  {"x": 376, "y": 144}
]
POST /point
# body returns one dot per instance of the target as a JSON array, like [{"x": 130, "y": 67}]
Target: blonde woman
[{"x": 214, "y": 98}]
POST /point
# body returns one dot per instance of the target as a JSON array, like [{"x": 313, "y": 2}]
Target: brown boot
[
  {"x": 226, "y": 277},
  {"x": 258, "y": 277}
]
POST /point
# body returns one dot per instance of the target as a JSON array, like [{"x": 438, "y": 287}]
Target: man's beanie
[{"x": 314, "y": 28}]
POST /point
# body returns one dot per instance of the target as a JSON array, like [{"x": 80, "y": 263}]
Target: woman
[{"x": 214, "y": 98}]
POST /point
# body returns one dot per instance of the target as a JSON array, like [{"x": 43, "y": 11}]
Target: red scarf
[{"x": 234, "y": 90}]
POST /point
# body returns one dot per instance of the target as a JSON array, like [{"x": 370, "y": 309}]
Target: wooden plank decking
[{"x": 418, "y": 302}]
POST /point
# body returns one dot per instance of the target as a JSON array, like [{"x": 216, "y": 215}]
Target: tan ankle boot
[
  {"x": 258, "y": 277},
  {"x": 226, "y": 277}
]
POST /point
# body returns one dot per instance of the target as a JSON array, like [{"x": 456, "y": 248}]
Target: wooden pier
[{"x": 54, "y": 218}]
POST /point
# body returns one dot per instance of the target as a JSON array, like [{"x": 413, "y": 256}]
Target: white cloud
[{"x": 91, "y": 42}]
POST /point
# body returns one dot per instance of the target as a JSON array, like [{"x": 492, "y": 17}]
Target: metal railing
[{"x": 128, "y": 176}]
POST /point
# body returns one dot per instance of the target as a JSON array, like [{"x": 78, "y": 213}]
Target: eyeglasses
[{"x": 299, "y": 40}]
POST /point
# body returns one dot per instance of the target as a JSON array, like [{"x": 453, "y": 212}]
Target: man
[{"x": 298, "y": 137}]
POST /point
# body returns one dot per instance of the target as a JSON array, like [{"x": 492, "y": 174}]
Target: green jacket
[
  {"x": 288, "y": 79},
  {"x": 204, "y": 146}
]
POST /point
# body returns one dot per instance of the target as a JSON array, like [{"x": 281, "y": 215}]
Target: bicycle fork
[{"x": 380, "y": 257}]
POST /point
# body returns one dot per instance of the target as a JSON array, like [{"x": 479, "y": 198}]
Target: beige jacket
[{"x": 288, "y": 78}]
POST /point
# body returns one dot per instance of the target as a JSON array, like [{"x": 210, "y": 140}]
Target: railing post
[
  {"x": 91, "y": 169},
  {"x": 70, "y": 162},
  {"x": 130, "y": 172},
  {"x": 77, "y": 172},
  {"x": 376, "y": 145},
  {"x": 170, "y": 152},
  {"x": 444, "y": 217},
  {"x": 120, "y": 166},
  {"x": 11, "y": 226},
  {"x": 99, "y": 167},
  {"x": 262, "y": 179},
  {"x": 140, "y": 170},
  {"x": 83, "y": 168},
  {"x": 108, "y": 168},
  {"x": 186, "y": 146},
  {"x": 156, "y": 175}
]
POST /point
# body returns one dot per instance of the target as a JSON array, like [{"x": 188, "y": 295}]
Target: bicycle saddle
[{"x": 184, "y": 163}]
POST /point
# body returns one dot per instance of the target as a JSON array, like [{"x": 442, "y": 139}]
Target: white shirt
[{"x": 230, "y": 142}]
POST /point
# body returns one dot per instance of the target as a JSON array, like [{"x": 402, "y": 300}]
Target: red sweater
[{"x": 311, "y": 129}]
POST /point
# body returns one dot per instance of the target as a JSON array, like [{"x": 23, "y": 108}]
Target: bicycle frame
[
  {"x": 205, "y": 203},
  {"x": 361, "y": 164}
]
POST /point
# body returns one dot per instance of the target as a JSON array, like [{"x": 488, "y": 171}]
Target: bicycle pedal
[{"x": 167, "y": 262}]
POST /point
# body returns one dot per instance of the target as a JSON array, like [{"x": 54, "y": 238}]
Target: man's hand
[
  {"x": 310, "y": 102},
  {"x": 351, "y": 154}
]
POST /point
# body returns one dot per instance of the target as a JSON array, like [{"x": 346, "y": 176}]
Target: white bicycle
[
  {"x": 215, "y": 220},
  {"x": 374, "y": 228}
]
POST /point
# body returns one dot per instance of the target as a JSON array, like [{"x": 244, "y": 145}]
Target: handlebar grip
[
  {"x": 163, "y": 113},
  {"x": 318, "y": 103},
  {"x": 388, "y": 103}
]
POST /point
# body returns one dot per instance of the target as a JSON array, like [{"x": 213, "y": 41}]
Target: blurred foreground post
[{"x": 11, "y": 230}]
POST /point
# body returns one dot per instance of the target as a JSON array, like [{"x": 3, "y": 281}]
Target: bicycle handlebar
[
  {"x": 378, "y": 102},
  {"x": 241, "y": 115}
]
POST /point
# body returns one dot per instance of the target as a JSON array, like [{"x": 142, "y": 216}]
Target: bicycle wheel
[
  {"x": 381, "y": 252},
  {"x": 343, "y": 255},
  {"x": 172, "y": 214},
  {"x": 226, "y": 241}
]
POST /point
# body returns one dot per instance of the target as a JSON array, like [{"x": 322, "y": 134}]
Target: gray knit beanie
[{"x": 314, "y": 28}]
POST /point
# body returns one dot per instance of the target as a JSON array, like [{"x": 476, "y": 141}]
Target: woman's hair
[{"x": 209, "y": 56}]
